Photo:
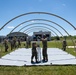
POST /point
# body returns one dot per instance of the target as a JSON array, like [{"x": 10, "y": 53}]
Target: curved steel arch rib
[
  {"x": 40, "y": 27},
  {"x": 38, "y": 13},
  {"x": 36, "y": 29},
  {"x": 41, "y": 24},
  {"x": 39, "y": 20},
  {"x": 31, "y": 30}
]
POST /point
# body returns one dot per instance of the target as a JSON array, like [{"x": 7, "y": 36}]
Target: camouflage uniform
[
  {"x": 44, "y": 51},
  {"x": 19, "y": 43},
  {"x": 11, "y": 44},
  {"x": 14, "y": 42},
  {"x": 34, "y": 52},
  {"x": 6, "y": 45},
  {"x": 64, "y": 45}
]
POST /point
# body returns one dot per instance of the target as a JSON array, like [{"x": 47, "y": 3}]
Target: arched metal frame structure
[
  {"x": 43, "y": 20},
  {"x": 38, "y": 13},
  {"x": 40, "y": 27},
  {"x": 39, "y": 20},
  {"x": 50, "y": 14},
  {"x": 41, "y": 24},
  {"x": 47, "y": 21}
]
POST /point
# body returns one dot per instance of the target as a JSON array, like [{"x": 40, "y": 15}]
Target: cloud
[
  {"x": 10, "y": 27},
  {"x": 63, "y": 4}
]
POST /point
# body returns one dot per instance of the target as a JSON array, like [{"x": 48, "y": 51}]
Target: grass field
[{"x": 40, "y": 70}]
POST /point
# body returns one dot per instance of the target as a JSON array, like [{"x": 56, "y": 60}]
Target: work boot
[
  {"x": 37, "y": 62},
  {"x": 32, "y": 61}
]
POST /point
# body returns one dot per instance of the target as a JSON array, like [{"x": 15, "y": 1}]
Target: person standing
[
  {"x": 27, "y": 41},
  {"x": 19, "y": 42},
  {"x": 34, "y": 51},
  {"x": 11, "y": 43},
  {"x": 64, "y": 44},
  {"x": 14, "y": 42},
  {"x": 6, "y": 45},
  {"x": 44, "y": 50}
]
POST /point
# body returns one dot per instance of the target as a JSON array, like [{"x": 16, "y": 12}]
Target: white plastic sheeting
[{"x": 22, "y": 57}]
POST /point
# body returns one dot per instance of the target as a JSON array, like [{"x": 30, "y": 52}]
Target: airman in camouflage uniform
[
  {"x": 44, "y": 51},
  {"x": 6, "y": 45}
]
